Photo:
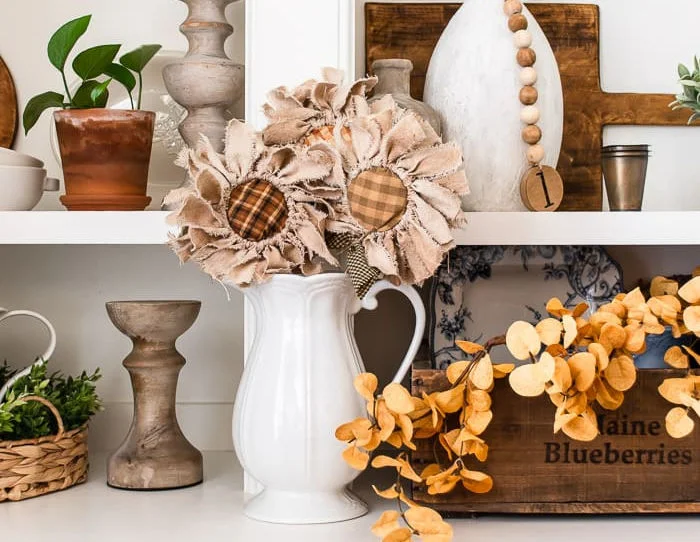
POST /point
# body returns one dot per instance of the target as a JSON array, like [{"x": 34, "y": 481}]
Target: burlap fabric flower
[
  {"x": 401, "y": 196},
  {"x": 309, "y": 113},
  {"x": 254, "y": 211}
]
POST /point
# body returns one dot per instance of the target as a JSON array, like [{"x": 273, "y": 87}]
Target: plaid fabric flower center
[
  {"x": 325, "y": 134},
  {"x": 257, "y": 210},
  {"x": 378, "y": 199}
]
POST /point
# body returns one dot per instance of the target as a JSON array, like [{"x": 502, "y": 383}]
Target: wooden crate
[{"x": 632, "y": 467}]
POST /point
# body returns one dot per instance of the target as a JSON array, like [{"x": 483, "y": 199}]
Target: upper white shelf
[{"x": 149, "y": 228}]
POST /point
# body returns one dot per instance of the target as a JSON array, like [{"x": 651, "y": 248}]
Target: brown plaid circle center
[
  {"x": 257, "y": 210},
  {"x": 378, "y": 199}
]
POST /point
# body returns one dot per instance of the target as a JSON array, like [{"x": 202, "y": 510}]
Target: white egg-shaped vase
[{"x": 474, "y": 83}]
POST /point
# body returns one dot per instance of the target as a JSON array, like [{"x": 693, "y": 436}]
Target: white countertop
[{"x": 213, "y": 512}]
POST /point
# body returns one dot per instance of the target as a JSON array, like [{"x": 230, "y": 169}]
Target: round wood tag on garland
[
  {"x": 8, "y": 107},
  {"x": 542, "y": 189}
]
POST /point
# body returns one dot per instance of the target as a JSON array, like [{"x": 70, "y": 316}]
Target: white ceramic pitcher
[
  {"x": 4, "y": 315},
  {"x": 297, "y": 387}
]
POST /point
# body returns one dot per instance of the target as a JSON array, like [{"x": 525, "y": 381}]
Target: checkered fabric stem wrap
[{"x": 362, "y": 275}]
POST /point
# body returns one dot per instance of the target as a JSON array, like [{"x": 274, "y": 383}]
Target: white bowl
[
  {"x": 8, "y": 157},
  {"x": 21, "y": 187}
]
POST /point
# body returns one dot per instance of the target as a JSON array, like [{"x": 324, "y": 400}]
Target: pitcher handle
[
  {"x": 370, "y": 303},
  {"x": 4, "y": 315}
]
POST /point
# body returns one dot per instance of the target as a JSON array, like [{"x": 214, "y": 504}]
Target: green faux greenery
[
  {"x": 75, "y": 399},
  {"x": 690, "y": 98},
  {"x": 92, "y": 66}
]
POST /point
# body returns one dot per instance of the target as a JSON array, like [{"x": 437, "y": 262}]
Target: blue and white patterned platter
[{"x": 479, "y": 291}]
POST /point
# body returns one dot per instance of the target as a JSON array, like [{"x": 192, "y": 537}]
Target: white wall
[{"x": 71, "y": 284}]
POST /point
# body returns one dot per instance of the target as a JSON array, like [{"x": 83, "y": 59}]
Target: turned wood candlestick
[{"x": 155, "y": 453}]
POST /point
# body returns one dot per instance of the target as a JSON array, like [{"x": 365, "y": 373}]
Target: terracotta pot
[{"x": 105, "y": 155}]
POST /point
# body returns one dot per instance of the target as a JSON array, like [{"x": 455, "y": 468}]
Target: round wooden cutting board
[{"x": 8, "y": 107}]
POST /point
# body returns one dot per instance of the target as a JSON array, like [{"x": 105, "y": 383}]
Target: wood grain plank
[
  {"x": 412, "y": 31},
  {"x": 633, "y": 466},
  {"x": 8, "y": 107}
]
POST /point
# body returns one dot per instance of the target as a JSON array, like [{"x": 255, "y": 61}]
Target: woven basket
[{"x": 33, "y": 467}]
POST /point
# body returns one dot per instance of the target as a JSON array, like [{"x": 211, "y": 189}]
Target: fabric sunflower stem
[{"x": 362, "y": 275}]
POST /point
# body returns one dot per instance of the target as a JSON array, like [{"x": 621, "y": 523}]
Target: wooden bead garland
[{"x": 542, "y": 188}]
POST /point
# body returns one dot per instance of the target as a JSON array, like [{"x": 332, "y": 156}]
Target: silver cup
[{"x": 625, "y": 171}]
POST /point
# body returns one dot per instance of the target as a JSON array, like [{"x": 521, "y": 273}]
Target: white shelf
[
  {"x": 214, "y": 511},
  {"x": 83, "y": 228},
  {"x": 149, "y": 228},
  {"x": 589, "y": 228}
]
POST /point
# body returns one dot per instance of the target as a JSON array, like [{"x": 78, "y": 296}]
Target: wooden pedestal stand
[{"x": 155, "y": 453}]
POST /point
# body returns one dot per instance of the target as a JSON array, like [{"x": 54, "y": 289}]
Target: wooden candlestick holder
[{"x": 155, "y": 453}]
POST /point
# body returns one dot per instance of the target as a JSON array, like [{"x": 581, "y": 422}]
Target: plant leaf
[
  {"x": 137, "y": 59},
  {"x": 83, "y": 96},
  {"x": 99, "y": 94},
  {"x": 64, "y": 39},
  {"x": 683, "y": 71},
  {"x": 37, "y": 105},
  {"x": 122, "y": 75},
  {"x": 94, "y": 61}
]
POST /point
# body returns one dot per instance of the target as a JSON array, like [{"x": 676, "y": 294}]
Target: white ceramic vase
[
  {"x": 297, "y": 388},
  {"x": 474, "y": 83}
]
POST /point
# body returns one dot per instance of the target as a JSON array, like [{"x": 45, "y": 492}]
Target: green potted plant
[
  {"x": 690, "y": 98},
  {"x": 48, "y": 415},
  {"x": 105, "y": 152}
]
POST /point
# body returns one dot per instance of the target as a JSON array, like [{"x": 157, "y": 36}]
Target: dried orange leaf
[
  {"x": 634, "y": 299},
  {"x": 676, "y": 390},
  {"x": 456, "y": 369},
  {"x": 443, "y": 485},
  {"x": 385, "y": 420},
  {"x": 402, "y": 466},
  {"x": 691, "y": 318},
  {"x": 616, "y": 308},
  {"x": 522, "y": 340},
  {"x": 550, "y": 331},
  {"x": 400, "y": 535},
  {"x": 398, "y": 399},
  {"x": 422, "y": 518},
  {"x": 527, "y": 381},
  {"x": 482, "y": 373},
  {"x": 570, "y": 330},
  {"x": 583, "y": 370},
  {"x": 556, "y": 350},
  {"x": 388, "y": 493},
  {"x": 478, "y": 422},
  {"x": 580, "y": 310},
  {"x": 451, "y": 401},
  {"x": 678, "y": 423},
  {"x": 366, "y": 385},
  {"x": 396, "y": 441},
  {"x": 560, "y": 420},
  {"x": 676, "y": 358},
  {"x": 636, "y": 338},
  {"x": 562, "y": 378},
  {"x": 555, "y": 308},
  {"x": 612, "y": 336},
  {"x": 430, "y": 470},
  {"x": 356, "y": 458},
  {"x": 350, "y": 431},
  {"x": 621, "y": 374},
  {"x": 480, "y": 400},
  {"x": 469, "y": 347},
  {"x": 690, "y": 291},
  {"x": 502, "y": 370},
  {"x": 576, "y": 404},
  {"x": 581, "y": 428},
  {"x": 663, "y": 286},
  {"x": 387, "y": 523},
  {"x": 475, "y": 481},
  {"x": 601, "y": 355},
  {"x": 607, "y": 397}
]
